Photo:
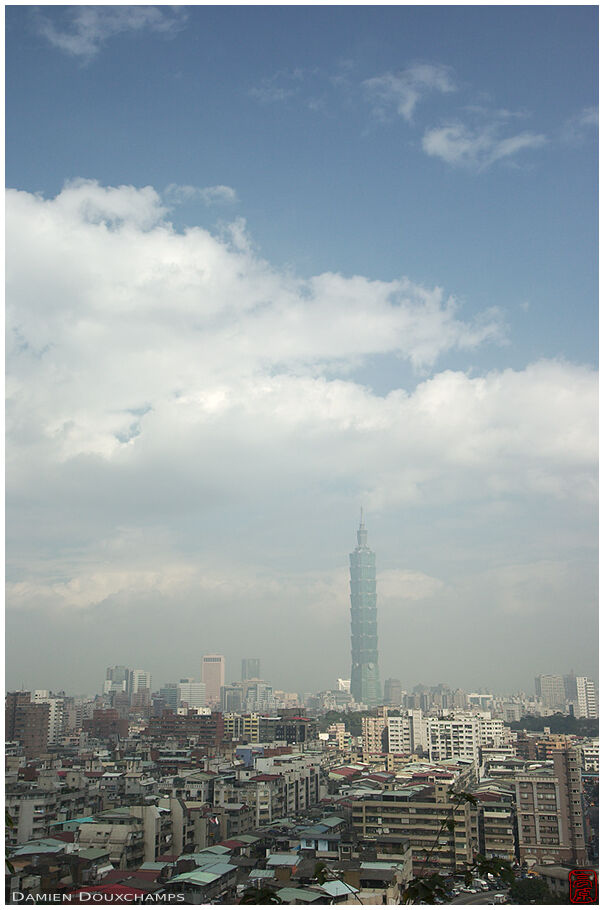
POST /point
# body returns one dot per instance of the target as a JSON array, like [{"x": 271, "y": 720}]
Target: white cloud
[
  {"x": 176, "y": 381},
  {"x": 89, "y": 27},
  {"x": 280, "y": 86},
  {"x": 477, "y": 148},
  {"x": 210, "y": 195},
  {"x": 580, "y": 126},
  {"x": 404, "y": 89}
]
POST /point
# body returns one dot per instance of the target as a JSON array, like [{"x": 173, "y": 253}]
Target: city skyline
[{"x": 289, "y": 262}]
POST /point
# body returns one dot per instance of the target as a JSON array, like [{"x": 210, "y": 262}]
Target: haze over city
[{"x": 267, "y": 266}]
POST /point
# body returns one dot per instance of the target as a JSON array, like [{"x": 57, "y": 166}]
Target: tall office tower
[
  {"x": 138, "y": 680},
  {"x": 365, "y": 675},
  {"x": 116, "y": 680},
  {"x": 192, "y": 693},
  {"x": 570, "y": 687},
  {"x": 393, "y": 692},
  {"x": 212, "y": 674},
  {"x": 586, "y": 697},
  {"x": 231, "y": 698},
  {"x": 550, "y": 689},
  {"x": 250, "y": 668},
  {"x": 169, "y": 692}
]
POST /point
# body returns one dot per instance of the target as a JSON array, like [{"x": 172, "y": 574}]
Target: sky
[{"x": 266, "y": 266}]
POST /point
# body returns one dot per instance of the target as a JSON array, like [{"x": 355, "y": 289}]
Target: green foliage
[
  {"x": 527, "y": 890},
  {"x": 352, "y": 720},
  {"x": 500, "y": 868},
  {"x": 320, "y": 873},
  {"x": 425, "y": 889},
  {"x": 558, "y": 723}
]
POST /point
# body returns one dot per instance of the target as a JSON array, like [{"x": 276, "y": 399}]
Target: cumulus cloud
[
  {"x": 89, "y": 27},
  {"x": 184, "y": 427},
  {"x": 477, "y": 148},
  {"x": 210, "y": 195},
  {"x": 403, "y": 90}
]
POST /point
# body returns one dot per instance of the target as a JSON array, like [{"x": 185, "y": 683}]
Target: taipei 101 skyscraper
[{"x": 364, "y": 675}]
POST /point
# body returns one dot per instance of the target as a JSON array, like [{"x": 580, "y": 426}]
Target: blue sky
[{"x": 417, "y": 148}]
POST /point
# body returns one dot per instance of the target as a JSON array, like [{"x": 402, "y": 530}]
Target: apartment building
[
  {"x": 550, "y": 818},
  {"x": 132, "y": 834},
  {"x": 453, "y": 737},
  {"x": 587, "y": 704},
  {"x": 496, "y": 821},
  {"x": 373, "y": 731},
  {"x": 416, "y": 813},
  {"x": 37, "y": 809},
  {"x": 27, "y": 723},
  {"x": 590, "y": 753}
]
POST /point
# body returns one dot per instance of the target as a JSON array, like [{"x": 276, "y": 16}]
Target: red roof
[
  {"x": 266, "y": 777},
  {"x": 115, "y": 876},
  {"x": 346, "y": 772},
  {"x": 67, "y": 836},
  {"x": 232, "y": 844}
]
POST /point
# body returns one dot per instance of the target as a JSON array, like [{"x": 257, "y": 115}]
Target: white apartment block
[
  {"x": 590, "y": 755},
  {"x": 400, "y": 735},
  {"x": 586, "y": 697},
  {"x": 453, "y": 738}
]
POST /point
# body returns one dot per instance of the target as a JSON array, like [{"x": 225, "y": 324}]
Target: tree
[{"x": 532, "y": 890}]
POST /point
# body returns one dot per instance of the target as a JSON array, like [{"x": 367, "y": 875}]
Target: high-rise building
[
  {"x": 192, "y": 693},
  {"x": 27, "y": 722},
  {"x": 250, "y": 668},
  {"x": 138, "y": 680},
  {"x": 550, "y": 689},
  {"x": 231, "y": 698},
  {"x": 212, "y": 674},
  {"x": 55, "y": 713},
  {"x": 550, "y": 818},
  {"x": 116, "y": 680},
  {"x": 570, "y": 686},
  {"x": 586, "y": 697},
  {"x": 365, "y": 675},
  {"x": 169, "y": 692},
  {"x": 393, "y": 692}
]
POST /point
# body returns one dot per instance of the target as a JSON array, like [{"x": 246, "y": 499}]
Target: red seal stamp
[{"x": 583, "y": 884}]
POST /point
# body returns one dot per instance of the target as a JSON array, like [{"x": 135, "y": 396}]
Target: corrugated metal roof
[
  {"x": 337, "y": 888},
  {"x": 289, "y": 895},
  {"x": 283, "y": 859}
]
